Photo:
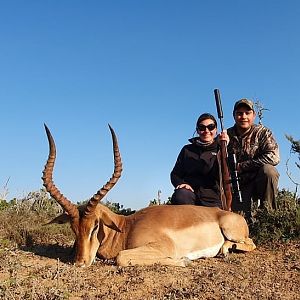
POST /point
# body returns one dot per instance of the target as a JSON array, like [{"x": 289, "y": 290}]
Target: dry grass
[
  {"x": 262, "y": 274},
  {"x": 36, "y": 263}
]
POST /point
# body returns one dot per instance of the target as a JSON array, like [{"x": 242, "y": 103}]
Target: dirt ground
[{"x": 46, "y": 272}]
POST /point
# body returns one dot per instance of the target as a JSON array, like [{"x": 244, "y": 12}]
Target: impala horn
[
  {"x": 65, "y": 203},
  {"x": 112, "y": 181}
]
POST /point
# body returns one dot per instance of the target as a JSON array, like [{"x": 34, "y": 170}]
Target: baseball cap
[{"x": 243, "y": 102}]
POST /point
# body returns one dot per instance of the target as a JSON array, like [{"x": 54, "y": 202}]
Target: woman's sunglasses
[{"x": 210, "y": 127}]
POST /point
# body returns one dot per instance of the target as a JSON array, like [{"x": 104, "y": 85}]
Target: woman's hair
[{"x": 206, "y": 116}]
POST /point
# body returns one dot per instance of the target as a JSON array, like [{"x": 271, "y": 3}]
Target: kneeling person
[{"x": 196, "y": 174}]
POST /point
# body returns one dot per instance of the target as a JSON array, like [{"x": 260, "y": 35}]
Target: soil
[{"x": 46, "y": 272}]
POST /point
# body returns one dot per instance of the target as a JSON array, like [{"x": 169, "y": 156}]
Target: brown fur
[{"x": 163, "y": 234}]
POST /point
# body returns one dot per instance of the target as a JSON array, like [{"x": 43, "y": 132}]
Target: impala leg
[
  {"x": 235, "y": 229},
  {"x": 246, "y": 246},
  {"x": 73, "y": 250},
  {"x": 148, "y": 255}
]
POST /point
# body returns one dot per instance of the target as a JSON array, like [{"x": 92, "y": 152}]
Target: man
[{"x": 257, "y": 155}]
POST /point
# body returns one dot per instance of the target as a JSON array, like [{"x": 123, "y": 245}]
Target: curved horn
[
  {"x": 112, "y": 181},
  {"x": 66, "y": 204}
]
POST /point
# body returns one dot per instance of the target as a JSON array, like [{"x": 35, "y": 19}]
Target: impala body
[{"x": 165, "y": 234}]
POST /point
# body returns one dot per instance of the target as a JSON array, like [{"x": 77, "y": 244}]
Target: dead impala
[{"x": 165, "y": 234}]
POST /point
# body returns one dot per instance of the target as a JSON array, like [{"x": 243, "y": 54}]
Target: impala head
[{"x": 88, "y": 221}]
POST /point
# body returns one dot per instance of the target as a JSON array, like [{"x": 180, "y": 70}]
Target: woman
[{"x": 196, "y": 175}]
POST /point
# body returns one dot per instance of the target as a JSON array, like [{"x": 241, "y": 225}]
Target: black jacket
[{"x": 197, "y": 165}]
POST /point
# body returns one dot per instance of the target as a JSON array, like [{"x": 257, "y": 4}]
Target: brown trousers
[{"x": 263, "y": 187}]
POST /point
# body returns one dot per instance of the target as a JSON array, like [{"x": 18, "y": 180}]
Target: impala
[{"x": 164, "y": 234}]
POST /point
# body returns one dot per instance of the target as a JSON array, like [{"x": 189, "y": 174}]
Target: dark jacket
[{"x": 197, "y": 165}]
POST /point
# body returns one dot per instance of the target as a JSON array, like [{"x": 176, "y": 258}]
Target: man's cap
[{"x": 243, "y": 102}]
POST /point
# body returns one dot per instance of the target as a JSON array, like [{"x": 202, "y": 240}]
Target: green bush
[
  {"x": 281, "y": 225},
  {"x": 3, "y": 204},
  {"x": 23, "y": 220},
  {"x": 27, "y": 228}
]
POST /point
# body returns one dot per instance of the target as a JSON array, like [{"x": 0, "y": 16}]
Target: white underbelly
[
  {"x": 204, "y": 240},
  {"x": 208, "y": 252}
]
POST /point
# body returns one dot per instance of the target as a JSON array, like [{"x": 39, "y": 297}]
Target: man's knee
[
  {"x": 269, "y": 171},
  {"x": 183, "y": 196},
  {"x": 267, "y": 186}
]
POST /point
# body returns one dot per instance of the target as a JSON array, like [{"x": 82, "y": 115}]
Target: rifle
[{"x": 229, "y": 178}]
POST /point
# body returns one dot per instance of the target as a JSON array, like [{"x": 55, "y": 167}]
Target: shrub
[
  {"x": 22, "y": 220},
  {"x": 3, "y": 204},
  {"x": 27, "y": 229},
  {"x": 281, "y": 225}
]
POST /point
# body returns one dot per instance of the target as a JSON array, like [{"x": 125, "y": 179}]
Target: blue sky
[{"x": 149, "y": 69}]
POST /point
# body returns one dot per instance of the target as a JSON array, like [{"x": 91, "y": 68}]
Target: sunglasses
[{"x": 210, "y": 127}]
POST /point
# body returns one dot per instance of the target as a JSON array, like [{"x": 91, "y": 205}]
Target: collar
[{"x": 207, "y": 146}]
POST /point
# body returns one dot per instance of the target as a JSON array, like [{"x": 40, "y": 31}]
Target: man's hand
[{"x": 184, "y": 186}]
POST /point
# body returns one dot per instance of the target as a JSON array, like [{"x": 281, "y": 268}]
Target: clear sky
[{"x": 149, "y": 69}]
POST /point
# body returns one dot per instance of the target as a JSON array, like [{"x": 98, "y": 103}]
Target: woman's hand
[
  {"x": 184, "y": 186},
  {"x": 223, "y": 136}
]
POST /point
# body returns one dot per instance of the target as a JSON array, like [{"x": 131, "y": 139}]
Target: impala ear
[
  {"x": 109, "y": 222},
  {"x": 61, "y": 219}
]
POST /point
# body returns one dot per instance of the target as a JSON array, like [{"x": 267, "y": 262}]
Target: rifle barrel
[{"x": 219, "y": 107}]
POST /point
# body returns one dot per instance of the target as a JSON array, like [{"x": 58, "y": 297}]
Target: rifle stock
[{"x": 226, "y": 178}]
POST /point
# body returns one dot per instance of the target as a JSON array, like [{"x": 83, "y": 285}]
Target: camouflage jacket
[{"x": 253, "y": 149}]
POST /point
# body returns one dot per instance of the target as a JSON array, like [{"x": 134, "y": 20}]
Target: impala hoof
[{"x": 186, "y": 262}]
